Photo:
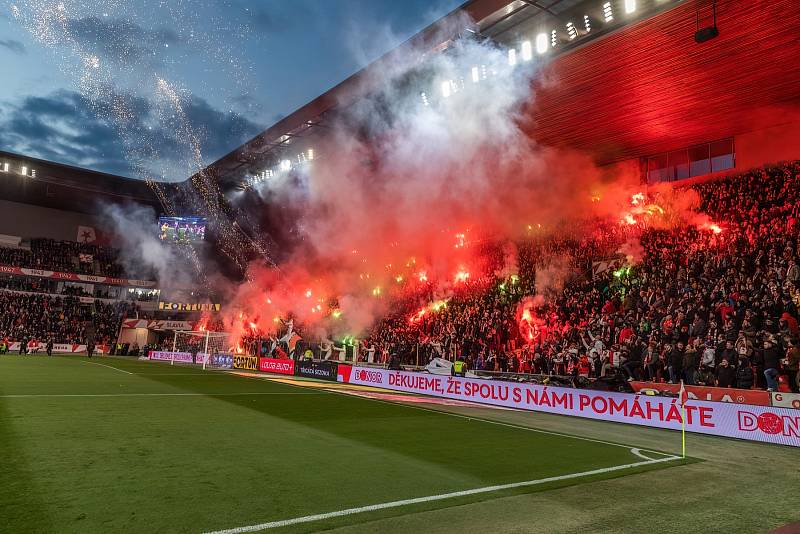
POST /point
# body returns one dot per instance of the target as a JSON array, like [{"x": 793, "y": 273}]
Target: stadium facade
[
  {"x": 52, "y": 200},
  {"x": 624, "y": 81}
]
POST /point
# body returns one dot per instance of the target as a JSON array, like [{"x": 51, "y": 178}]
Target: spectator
[{"x": 726, "y": 375}]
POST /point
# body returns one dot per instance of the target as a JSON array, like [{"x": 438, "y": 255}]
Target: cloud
[
  {"x": 120, "y": 40},
  {"x": 67, "y": 127},
  {"x": 14, "y": 46}
]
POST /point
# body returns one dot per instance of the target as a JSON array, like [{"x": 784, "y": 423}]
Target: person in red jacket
[
  {"x": 791, "y": 324},
  {"x": 625, "y": 334}
]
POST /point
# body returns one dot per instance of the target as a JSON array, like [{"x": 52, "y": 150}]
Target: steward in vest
[{"x": 459, "y": 367}]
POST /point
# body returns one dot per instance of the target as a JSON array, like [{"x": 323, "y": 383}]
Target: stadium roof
[
  {"x": 59, "y": 186},
  {"x": 505, "y": 21},
  {"x": 632, "y": 87}
]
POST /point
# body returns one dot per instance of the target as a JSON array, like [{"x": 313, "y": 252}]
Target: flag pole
[
  {"x": 682, "y": 396},
  {"x": 683, "y": 431}
]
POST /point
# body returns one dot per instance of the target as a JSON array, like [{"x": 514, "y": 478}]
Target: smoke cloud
[
  {"x": 141, "y": 251},
  {"x": 414, "y": 180}
]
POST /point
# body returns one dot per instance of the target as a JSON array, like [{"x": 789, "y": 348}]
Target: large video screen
[{"x": 182, "y": 229}]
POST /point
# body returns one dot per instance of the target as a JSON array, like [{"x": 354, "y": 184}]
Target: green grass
[{"x": 162, "y": 448}]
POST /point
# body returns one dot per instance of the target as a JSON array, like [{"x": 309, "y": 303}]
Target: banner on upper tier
[
  {"x": 73, "y": 277},
  {"x": 755, "y": 423},
  {"x": 276, "y": 365},
  {"x": 323, "y": 370},
  {"x": 245, "y": 362},
  {"x": 183, "y": 357},
  {"x": 739, "y": 396}
]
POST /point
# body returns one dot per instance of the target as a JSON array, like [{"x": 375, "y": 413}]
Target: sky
[{"x": 159, "y": 88}]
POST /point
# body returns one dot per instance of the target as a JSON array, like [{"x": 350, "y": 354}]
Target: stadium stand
[
  {"x": 65, "y": 256},
  {"x": 715, "y": 308},
  {"x": 31, "y": 317}
]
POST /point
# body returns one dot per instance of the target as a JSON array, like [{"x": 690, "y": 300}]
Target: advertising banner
[
  {"x": 189, "y": 306},
  {"x": 58, "y": 348},
  {"x": 157, "y": 325},
  {"x": 786, "y": 400},
  {"x": 756, "y": 397},
  {"x": 222, "y": 360},
  {"x": 183, "y": 357},
  {"x": 245, "y": 362},
  {"x": 322, "y": 370},
  {"x": 274, "y": 365},
  {"x": 756, "y": 423}
]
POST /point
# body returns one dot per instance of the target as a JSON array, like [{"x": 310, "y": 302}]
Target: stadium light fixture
[
  {"x": 311, "y": 152},
  {"x": 512, "y": 57},
  {"x": 587, "y": 23},
  {"x": 5, "y": 167},
  {"x": 553, "y": 38},
  {"x": 630, "y": 6},
  {"x": 572, "y": 31},
  {"x": 286, "y": 165},
  {"x": 24, "y": 171},
  {"x": 541, "y": 43},
  {"x": 608, "y": 12},
  {"x": 527, "y": 51},
  {"x": 446, "y": 88},
  {"x": 476, "y": 75},
  {"x": 424, "y": 98}
]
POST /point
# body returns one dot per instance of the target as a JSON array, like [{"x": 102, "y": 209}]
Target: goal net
[{"x": 203, "y": 345}]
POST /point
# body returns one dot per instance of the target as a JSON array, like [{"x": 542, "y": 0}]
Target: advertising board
[{"x": 755, "y": 423}]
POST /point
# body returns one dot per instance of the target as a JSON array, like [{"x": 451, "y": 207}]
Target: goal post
[{"x": 202, "y": 344}]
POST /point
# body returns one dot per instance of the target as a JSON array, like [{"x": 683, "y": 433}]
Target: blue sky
[{"x": 82, "y": 80}]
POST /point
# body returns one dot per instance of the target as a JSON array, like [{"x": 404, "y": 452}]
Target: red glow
[{"x": 529, "y": 325}]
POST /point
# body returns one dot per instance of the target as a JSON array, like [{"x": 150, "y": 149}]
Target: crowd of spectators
[
  {"x": 41, "y": 285},
  {"x": 68, "y": 256},
  {"x": 708, "y": 307},
  {"x": 42, "y": 318}
]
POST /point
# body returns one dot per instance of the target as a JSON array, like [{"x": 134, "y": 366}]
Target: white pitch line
[
  {"x": 430, "y": 498},
  {"x": 638, "y": 452},
  {"x": 157, "y": 394},
  {"x": 109, "y": 366}
]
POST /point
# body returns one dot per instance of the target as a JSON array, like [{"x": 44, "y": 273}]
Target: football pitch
[{"x": 114, "y": 445}]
